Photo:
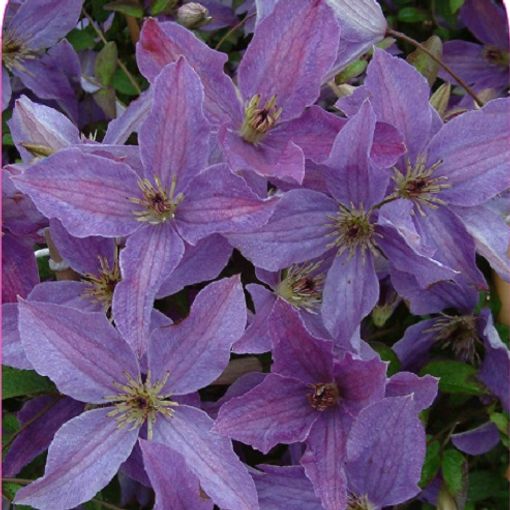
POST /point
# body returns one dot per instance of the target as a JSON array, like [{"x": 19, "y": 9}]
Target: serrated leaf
[
  {"x": 82, "y": 39},
  {"x": 160, "y": 6},
  {"x": 454, "y": 377},
  {"x": 432, "y": 463},
  {"x": 455, "y": 5},
  {"x": 106, "y": 63},
  {"x": 128, "y": 7},
  {"x": 453, "y": 468},
  {"x": 426, "y": 65},
  {"x": 411, "y": 15},
  {"x": 501, "y": 421},
  {"x": 24, "y": 382}
]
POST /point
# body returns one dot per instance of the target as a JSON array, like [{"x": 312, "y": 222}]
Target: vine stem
[
  {"x": 119, "y": 62},
  {"x": 447, "y": 68},
  {"x": 233, "y": 29},
  {"x": 26, "y": 481}
]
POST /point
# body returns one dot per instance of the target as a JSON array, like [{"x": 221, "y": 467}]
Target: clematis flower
[
  {"x": 263, "y": 125},
  {"x": 97, "y": 366},
  {"x": 172, "y": 198},
  {"x": 484, "y": 66},
  {"x": 352, "y": 221},
  {"x": 27, "y": 32}
]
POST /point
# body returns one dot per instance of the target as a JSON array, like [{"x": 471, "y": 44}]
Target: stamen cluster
[
  {"x": 323, "y": 396},
  {"x": 258, "y": 121}
]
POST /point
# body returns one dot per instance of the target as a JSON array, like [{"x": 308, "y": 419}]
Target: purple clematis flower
[
  {"x": 484, "y": 66},
  {"x": 27, "y": 32},
  {"x": 172, "y": 198},
  {"x": 263, "y": 125},
  {"x": 96, "y": 366}
]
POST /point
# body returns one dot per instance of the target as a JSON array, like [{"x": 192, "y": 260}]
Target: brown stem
[
  {"x": 448, "y": 69},
  {"x": 64, "y": 274},
  {"x": 233, "y": 29},
  {"x": 134, "y": 29},
  {"x": 119, "y": 62},
  {"x": 238, "y": 367}
]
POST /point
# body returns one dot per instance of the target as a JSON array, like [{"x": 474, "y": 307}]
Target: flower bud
[{"x": 193, "y": 15}]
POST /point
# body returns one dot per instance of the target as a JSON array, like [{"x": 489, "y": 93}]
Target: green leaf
[
  {"x": 10, "y": 425},
  {"x": 106, "y": 63},
  {"x": 351, "y": 71},
  {"x": 160, "y": 6},
  {"x": 386, "y": 353},
  {"x": 423, "y": 62},
  {"x": 501, "y": 422},
  {"x": 7, "y": 139},
  {"x": 411, "y": 15},
  {"x": 82, "y": 39},
  {"x": 121, "y": 83},
  {"x": 454, "y": 469},
  {"x": 455, "y": 5},
  {"x": 128, "y": 7},
  {"x": 455, "y": 377},
  {"x": 432, "y": 463},
  {"x": 485, "y": 485},
  {"x": 16, "y": 383}
]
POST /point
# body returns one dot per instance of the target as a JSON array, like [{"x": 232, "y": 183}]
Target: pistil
[
  {"x": 258, "y": 121},
  {"x": 323, "y": 396}
]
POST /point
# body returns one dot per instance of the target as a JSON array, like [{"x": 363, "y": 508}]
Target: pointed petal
[
  {"x": 297, "y": 231},
  {"x": 487, "y": 21},
  {"x": 88, "y": 194},
  {"x": 177, "y": 150},
  {"x": 474, "y": 151},
  {"x": 150, "y": 255},
  {"x": 175, "y": 486},
  {"x": 218, "y": 201},
  {"x": 385, "y": 451},
  {"x": 412, "y": 349},
  {"x": 424, "y": 389},
  {"x": 83, "y": 362},
  {"x": 295, "y": 352},
  {"x": 83, "y": 457},
  {"x": 209, "y": 456},
  {"x": 275, "y": 411},
  {"x": 324, "y": 458},
  {"x": 196, "y": 351},
  {"x": 163, "y": 43},
  {"x": 350, "y": 293},
  {"x": 477, "y": 441},
  {"x": 400, "y": 97},
  {"x": 41, "y": 417},
  {"x": 199, "y": 263}
]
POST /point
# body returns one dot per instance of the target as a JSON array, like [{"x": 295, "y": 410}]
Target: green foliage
[
  {"x": 411, "y": 15},
  {"x": 455, "y": 377},
  {"x": 432, "y": 463},
  {"x": 162, "y": 6},
  {"x": 425, "y": 64},
  {"x": 106, "y": 64},
  {"x": 82, "y": 39},
  {"x": 17, "y": 383},
  {"x": 127, "y": 7},
  {"x": 120, "y": 82},
  {"x": 454, "y": 469},
  {"x": 387, "y": 354}
]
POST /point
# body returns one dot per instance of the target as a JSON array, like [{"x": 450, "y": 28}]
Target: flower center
[
  {"x": 359, "y": 503},
  {"x": 495, "y": 56},
  {"x": 323, "y": 396},
  {"x": 140, "y": 401},
  {"x": 101, "y": 286},
  {"x": 301, "y": 286},
  {"x": 459, "y": 334},
  {"x": 352, "y": 230},
  {"x": 14, "y": 52},
  {"x": 258, "y": 121},
  {"x": 419, "y": 185},
  {"x": 157, "y": 204}
]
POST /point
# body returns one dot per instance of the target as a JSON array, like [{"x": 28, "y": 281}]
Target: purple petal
[
  {"x": 385, "y": 452},
  {"x": 275, "y": 411},
  {"x": 218, "y": 201},
  {"x": 177, "y": 150},
  {"x": 474, "y": 151},
  {"x": 37, "y": 25},
  {"x": 400, "y": 97},
  {"x": 350, "y": 293},
  {"x": 296, "y": 232},
  {"x": 209, "y": 456},
  {"x": 199, "y": 263},
  {"x": 324, "y": 458},
  {"x": 83, "y": 362},
  {"x": 388, "y": 145},
  {"x": 412, "y": 349},
  {"x": 13, "y": 354},
  {"x": 285, "y": 487},
  {"x": 84, "y": 456},
  {"x": 40, "y": 125},
  {"x": 477, "y": 441},
  {"x": 163, "y": 43},
  {"x": 88, "y": 194},
  {"x": 290, "y": 64},
  {"x": 175, "y": 486},
  {"x": 424, "y": 389},
  {"x": 41, "y": 417},
  {"x": 68, "y": 293},
  {"x": 149, "y": 256},
  {"x": 295, "y": 352},
  {"x": 487, "y": 21},
  {"x": 196, "y": 351}
]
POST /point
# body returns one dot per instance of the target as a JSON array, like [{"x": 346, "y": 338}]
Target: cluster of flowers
[{"x": 334, "y": 209}]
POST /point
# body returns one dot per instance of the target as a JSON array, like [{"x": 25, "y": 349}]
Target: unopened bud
[{"x": 193, "y": 15}]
